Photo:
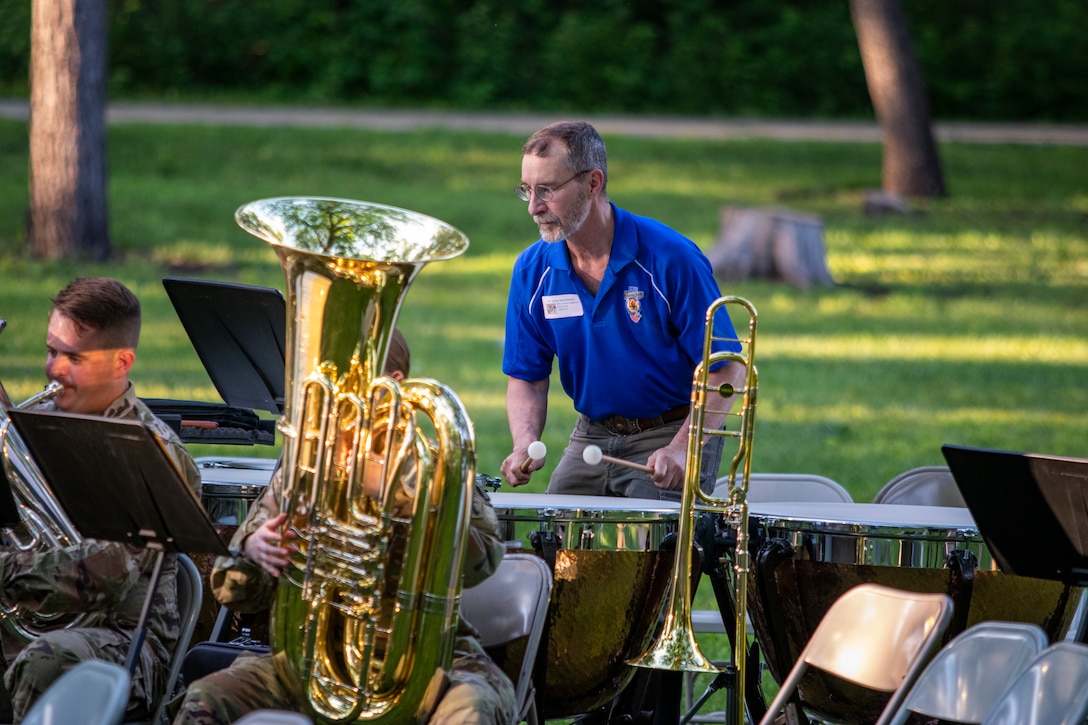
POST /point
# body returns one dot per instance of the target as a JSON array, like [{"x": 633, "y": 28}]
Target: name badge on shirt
[{"x": 557, "y": 307}]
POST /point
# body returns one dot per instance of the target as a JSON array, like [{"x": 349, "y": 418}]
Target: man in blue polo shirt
[{"x": 620, "y": 300}]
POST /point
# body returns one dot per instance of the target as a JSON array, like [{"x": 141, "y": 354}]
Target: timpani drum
[
  {"x": 611, "y": 573},
  {"x": 228, "y": 487},
  {"x": 806, "y": 555}
]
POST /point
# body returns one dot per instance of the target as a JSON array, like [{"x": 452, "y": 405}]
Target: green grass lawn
[{"x": 966, "y": 322}]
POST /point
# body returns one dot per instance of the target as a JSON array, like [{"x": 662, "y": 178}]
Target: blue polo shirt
[{"x": 631, "y": 349}]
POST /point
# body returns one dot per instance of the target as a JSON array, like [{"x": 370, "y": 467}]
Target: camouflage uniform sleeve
[
  {"x": 485, "y": 546},
  {"x": 185, "y": 463},
  {"x": 130, "y": 406},
  {"x": 92, "y": 576},
  {"x": 236, "y": 581}
]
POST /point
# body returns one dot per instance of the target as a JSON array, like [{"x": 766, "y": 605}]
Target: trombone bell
[{"x": 676, "y": 648}]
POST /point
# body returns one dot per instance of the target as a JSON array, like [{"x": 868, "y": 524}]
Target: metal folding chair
[
  {"x": 93, "y": 692},
  {"x": 874, "y": 636},
  {"x": 1053, "y": 690},
  {"x": 794, "y": 487},
  {"x": 923, "y": 486},
  {"x": 762, "y": 487},
  {"x": 190, "y": 594},
  {"x": 968, "y": 677},
  {"x": 510, "y": 604},
  {"x": 273, "y": 717}
]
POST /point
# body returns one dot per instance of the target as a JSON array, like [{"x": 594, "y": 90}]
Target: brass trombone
[{"x": 675, "y": 648}]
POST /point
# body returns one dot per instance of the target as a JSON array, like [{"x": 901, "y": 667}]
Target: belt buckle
[{"x": 623, "y": 426}]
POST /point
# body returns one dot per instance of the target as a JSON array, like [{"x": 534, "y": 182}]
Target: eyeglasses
[{"x": 543, "y": 193}]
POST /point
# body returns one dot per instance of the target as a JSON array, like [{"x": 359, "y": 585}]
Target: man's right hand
[
  {"x": 514, "y": 469},
  {"x": 263, "y": 546}
]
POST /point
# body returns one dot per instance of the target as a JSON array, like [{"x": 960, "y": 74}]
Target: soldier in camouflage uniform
[
  {"x": 479, "y": 691},
  {"x": 91, "y": 342}
]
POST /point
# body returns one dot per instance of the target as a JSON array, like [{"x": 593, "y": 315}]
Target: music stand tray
[{"x": 116, "y": 482}]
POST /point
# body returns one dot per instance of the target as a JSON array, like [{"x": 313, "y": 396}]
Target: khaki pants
[
  {"x": 572, "y": 475},
  {"x": 479, "y": 692}
]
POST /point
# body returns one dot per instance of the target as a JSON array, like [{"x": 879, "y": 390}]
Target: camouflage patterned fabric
[
  {"x": 479, "y": 692},
  {"x": 109, "y": 581}
]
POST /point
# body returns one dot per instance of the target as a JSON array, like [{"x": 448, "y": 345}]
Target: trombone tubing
[{"x": 736, "y": 508}]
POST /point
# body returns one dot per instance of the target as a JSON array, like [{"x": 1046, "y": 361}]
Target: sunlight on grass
[
  {"x": 1041, "y": 350},
  {"x": 184, "y": 253},
  {"x": 475, "y": 264},
  {"x": 857, "y": 413},
  {"x": 1044, "y": 257}
]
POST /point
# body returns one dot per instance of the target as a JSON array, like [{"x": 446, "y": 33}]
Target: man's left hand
[{"x": 668, "y": 464}]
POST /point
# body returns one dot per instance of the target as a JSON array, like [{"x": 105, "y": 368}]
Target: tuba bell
[
  {"x": 44, "y": 525},
  {"x": 675, "y": 647},
  {"x": 377, "y": 475}
]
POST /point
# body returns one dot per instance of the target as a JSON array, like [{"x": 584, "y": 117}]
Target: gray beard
[{"x": 569, "y": 225}]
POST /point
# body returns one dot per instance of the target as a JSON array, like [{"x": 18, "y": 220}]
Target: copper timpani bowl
[{"x": 806, "y": 555}]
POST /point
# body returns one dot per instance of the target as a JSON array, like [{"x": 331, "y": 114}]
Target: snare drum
[
  {"x": 806, "y": 555},
  {"x": 610, "y": 578}
]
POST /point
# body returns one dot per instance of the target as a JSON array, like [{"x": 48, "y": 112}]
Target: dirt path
[{"x": 524, "y": 124}]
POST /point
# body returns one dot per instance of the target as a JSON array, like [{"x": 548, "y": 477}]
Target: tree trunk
[
  {"x": 898, "y": 92},
  {"x": 68, "y": 211}
]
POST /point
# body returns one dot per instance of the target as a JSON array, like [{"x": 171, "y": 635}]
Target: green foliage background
[{"x": 1003, "y": 60}]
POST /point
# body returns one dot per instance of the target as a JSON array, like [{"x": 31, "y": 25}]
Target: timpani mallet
[
  {"x": 592, "y": 455},
  {"x": 537, "y": 450}
]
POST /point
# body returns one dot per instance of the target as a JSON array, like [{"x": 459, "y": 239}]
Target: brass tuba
[
  {"x": 44, "y": 524},
  {"x": 675, "y": 647},
  {"x": 377, "y": 475}
]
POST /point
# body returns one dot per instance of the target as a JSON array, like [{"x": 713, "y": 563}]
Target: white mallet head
[
  {"x": 537, "y": 450},
  {"x": 592, "y": 455}
]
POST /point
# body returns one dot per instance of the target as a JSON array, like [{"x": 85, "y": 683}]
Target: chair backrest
[
  {"x": 189, "y": 597},
  {"x": 509, "y": 604},
  {"x": 273, "y": 717},
  {"x": 968, "y": 677},
  {"x": 763, "y": 487},
  {"x": 1053, "y": 690},
  {"x": 923, "y": 486},
  {"x": 875, "y": 637},
  {"x": 94, "y": 692}
]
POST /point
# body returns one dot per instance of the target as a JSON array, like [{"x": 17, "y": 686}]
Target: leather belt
[{"x": 618, "y": 425}]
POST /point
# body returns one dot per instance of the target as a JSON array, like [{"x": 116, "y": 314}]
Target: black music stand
[
  {"x": 116, "y": 482},
  {"x": 9, "y": 510},
  {"x": 238, "y": 332},
  {"x": 1011, "y": 493}
]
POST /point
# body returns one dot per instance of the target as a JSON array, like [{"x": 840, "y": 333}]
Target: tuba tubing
[
  {"x": 366, "y": 612},
  {"x": 675, "y": 647}
]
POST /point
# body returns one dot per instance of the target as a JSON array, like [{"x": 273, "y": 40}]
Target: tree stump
[{"x": 770, "y": 244}]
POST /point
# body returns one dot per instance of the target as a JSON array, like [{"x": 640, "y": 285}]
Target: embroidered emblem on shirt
[{"x": 632, "y": 299}]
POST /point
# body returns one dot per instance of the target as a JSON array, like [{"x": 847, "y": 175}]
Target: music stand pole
[{"x": 140, "y": 634}]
